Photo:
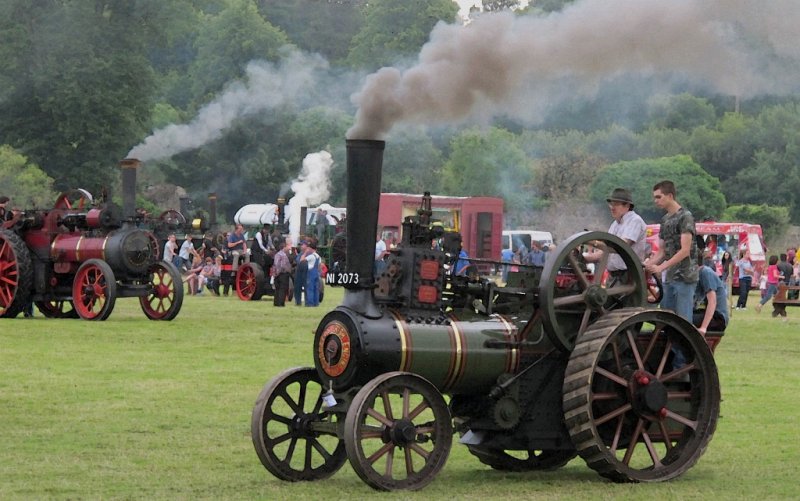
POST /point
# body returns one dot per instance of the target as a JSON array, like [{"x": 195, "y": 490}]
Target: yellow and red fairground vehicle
[{"x": 730, "y": 237}]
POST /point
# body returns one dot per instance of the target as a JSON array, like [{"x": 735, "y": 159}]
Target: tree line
[{"x": 81, "y": 83}]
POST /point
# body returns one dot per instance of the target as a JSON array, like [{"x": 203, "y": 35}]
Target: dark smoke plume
[{"x": 520, "y": 67}]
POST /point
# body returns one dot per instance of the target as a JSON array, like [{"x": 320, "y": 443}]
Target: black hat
[{"x": 621, "y": 195}]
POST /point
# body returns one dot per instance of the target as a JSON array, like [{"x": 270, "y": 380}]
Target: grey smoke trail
[
  {"x": 266, "y": 86},
  {"x": 521, "y": 66}
]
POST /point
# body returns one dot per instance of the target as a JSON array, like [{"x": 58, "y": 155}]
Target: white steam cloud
[
  {"x": 503, "y": 64},
  {"x": 311, "y": 187},
  {"x": 265, "y": 87}
]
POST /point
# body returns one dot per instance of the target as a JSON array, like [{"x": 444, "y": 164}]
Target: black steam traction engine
[
  {"x": 553, "y": 364},
  {"x": 75, "y": 259}
]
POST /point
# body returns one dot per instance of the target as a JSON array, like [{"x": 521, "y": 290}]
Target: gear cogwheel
[{"x": 506, "y": 413}]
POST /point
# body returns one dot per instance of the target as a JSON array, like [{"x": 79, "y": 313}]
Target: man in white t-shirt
[{"x": 627, "y": 225}]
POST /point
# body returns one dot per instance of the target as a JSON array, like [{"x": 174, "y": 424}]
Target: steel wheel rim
[
  {"x": 412, "y": 418},
  {"x": 572, "y": 299},
  {"x": 57, "y": 309},
  {"x": 94, "y": 290},
  {"x": 249, "y": 282},
  {"x": 281, "y": 428},
  {"x": 9, "y": 275},
  {"x": 633, "y": 396},
  {"x": 166, "y": 296}
]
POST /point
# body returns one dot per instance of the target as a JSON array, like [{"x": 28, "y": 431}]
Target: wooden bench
[{"x": 781, "y": 300}]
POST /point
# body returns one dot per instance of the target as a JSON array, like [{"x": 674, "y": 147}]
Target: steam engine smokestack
[
  {"x": 212, "y": 210},
  {"x": 129, "y": 166},
  {"x": 364, "y": 166},
  {"x": 183, "y": 203}
]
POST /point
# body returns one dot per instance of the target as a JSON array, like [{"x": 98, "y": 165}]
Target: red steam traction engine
[{"x": 75, "y": 259}]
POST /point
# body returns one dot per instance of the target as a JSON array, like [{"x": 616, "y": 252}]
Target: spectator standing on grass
[
  {"x": 773, "y": 278},
  {"x": 300, "y": 273},
  {"x": 746, "y": 271},
  {"x": 171, "y": 251},
  {"x": 282, "y": 270},
  {"x": 312, "y": 274},
  {"x": 506, "y": 256},
  {"x": 187, "y": 253}
]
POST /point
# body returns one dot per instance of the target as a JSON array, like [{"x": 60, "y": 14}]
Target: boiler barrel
[
  {"x": 126, "y": 251},
  {"x": 456, "y": 356}
]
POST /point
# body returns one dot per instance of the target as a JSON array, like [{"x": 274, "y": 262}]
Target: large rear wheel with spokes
[
  {"x": 16, "y": 274},
  {"x": 634, "y": 413}
]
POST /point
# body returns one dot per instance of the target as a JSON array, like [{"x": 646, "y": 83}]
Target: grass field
[{"x": 135, "y": 409}]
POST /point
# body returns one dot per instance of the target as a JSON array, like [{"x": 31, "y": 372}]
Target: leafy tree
[
  {"x": 772, "y": 180},
  {"x": 683, "y": 112},
  {"x": 550, "y": 5},
  {"x": 498, "y": 5},
  {"x": 489, "y": 163},
  {"x": 322, "y": 26},
  {"x": 24, "y": 182},
  {"x": 698, "y": 191},
  {"x": 393, "y": 30},
  {"x": 412, "y": 163},
  {"x": 773, "y": 220},
  {"x": 227, "y": 42},
  {"x": 83, "y": 90},
  {"x": 728, "y": 147}
]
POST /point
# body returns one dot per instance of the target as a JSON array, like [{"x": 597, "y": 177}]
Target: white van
[{"x": 512, "y": 239}]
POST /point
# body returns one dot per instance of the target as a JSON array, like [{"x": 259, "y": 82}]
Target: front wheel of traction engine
[
  {"x": 165, "y": 294},
  {"x": 633, "y": 413},
  {"x": 16, "y": 274},
  {"x": 249, "y": 281},
  {"x": 94, "y": 290},
  {"x": 294, "y": 437},
  {"x": 398, "y": 432}
]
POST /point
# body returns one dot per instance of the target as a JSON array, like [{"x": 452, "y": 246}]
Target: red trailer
[{"x": 478, "y": 219}]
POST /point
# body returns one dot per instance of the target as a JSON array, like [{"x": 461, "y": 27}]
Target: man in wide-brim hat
[{"x": 627, "y": 225}]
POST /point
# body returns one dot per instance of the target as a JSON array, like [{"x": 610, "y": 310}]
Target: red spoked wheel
[
  {"x": 57, "y": 309},
  {"x": 94, "y": 290},
  {"x": 250, "y": 282},
  {"x": 16, "y": 274},
  {"x": 165, "y": 294}
]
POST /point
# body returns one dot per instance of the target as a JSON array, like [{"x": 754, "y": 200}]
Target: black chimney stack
[
  {"x": 212, "y": 210},
  {"x": 364, "y": 167},
  {"x": 129, "y": 166}
]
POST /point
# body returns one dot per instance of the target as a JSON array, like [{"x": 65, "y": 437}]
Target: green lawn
[{"x": 135, "y": 409}]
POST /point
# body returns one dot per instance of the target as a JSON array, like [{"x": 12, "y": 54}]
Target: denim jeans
[
  {"x": 772, "y": 289},
  {"x": 679, "y": 297}
]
